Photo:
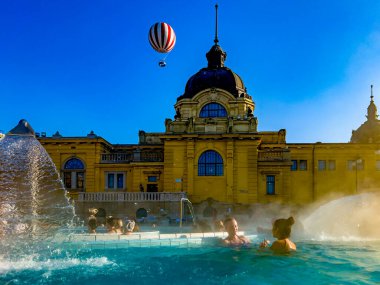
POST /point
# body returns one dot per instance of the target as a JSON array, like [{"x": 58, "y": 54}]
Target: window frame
[
  {"x": 294, "y": 166},
  {"x": 213, "y": 110},
  {"x": 331, "y": 165},
  {"x": 74, "y": 174},
  {"x": 270, "y": 182},
  {"x": 322, "y": 165},
  {"x": 115, "y": 175},
  {"x": 214, "y": 167},
  {"x": 303, "y": 165}
]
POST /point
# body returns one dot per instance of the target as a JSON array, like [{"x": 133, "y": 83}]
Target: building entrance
[{"x": 152, "y": 188}]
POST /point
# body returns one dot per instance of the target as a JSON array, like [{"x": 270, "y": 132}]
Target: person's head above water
[
  {"x": 231, "y": 226},
  {"x": 92, "y": 225},
  {"x": 282, "y": 228}
]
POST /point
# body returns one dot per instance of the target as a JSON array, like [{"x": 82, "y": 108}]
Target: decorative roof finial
[
  {"x": 216, "y": 24},
  {"x": 372, "y": 109}
]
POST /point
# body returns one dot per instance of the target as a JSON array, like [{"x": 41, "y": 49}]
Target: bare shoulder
[
  {"x": 226, "y": 241},
  {"x": 245, "y": 239},
  {"x": 283, "y": 246},
  {"x": 291, "y": 245},
  {"x": 278, "y": 245}
]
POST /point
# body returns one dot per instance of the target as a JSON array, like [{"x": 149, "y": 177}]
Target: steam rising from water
[
  {"x": 33, "y": 204},
  {"x": 350, "y": 218}
]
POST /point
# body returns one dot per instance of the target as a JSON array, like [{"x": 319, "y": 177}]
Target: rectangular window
[
  {"x": 321, "y": 165},
  {"x": 351, "y": 165},
  {"x": 294, "y": 165},
  {"x": 377, "y": 164},
  {"x": 303, "y": 164},
  {"x": 120, "y": 180},
  {"x": 110, "y": 180},
  {"x": 331, "y": 164},
  {"x": 80, "y": 180},
  {"x": 152, "y": 178},
  {"x": 271, "y": 185},
  {"x": 360, "y": 164},
  {"x": 115, "y": 180},
  {"x": 355, "y": 164},
  {"x": 67, "y": 179}
]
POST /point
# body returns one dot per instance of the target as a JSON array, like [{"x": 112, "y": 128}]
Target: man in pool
[
  {"x": 232, "y": 229},
  {"x": 92, "y": 225},
  {"x": 281, "y": 230}
]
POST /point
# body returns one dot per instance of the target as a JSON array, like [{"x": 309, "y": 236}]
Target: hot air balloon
[{"x": 162, "y": 38}]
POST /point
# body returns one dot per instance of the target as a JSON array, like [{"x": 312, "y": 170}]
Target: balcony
[
  {"x": 116, "y": 158},
  {"x": 131, "y": 196},
  {"x": 274, "y": 155},
  {"x": 136, "y": 156}
]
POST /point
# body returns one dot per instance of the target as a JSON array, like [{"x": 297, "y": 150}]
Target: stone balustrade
[{"x": 131, "y": 196}]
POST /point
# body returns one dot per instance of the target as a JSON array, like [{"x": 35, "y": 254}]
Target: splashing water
[
  {"x": 33, "y": 202},
  {"x": 350, "y": 218}
]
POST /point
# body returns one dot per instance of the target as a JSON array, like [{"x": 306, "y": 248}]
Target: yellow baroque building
[{"x": 212, "y": 148}]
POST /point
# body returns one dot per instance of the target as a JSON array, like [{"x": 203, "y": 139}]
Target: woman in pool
[
  {"x": 232, "y": 229},
  {"x": 281, "y": 230},
  {"x": 114, "y": 225},
  {"x": 118, "y": 225},
  {"x": 129, "y": 227}
]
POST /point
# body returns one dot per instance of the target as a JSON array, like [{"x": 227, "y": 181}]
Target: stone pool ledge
[{"x": 144, "y": 239}]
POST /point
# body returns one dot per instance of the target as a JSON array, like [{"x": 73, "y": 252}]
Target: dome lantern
[{"x": 369, "y": 131}]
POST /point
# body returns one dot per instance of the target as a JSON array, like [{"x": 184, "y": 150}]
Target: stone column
[
  {"x": 230, "y": 170},
  {"x": 190, "y": 167}
]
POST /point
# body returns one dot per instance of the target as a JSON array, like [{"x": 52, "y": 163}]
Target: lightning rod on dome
[{"x": 216, "y": 24}]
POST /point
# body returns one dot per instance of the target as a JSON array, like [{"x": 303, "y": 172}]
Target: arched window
[
  {"x": 74, "y": 163},
  {"x": 213, "y": 110},
  {"x": 73, "y": 174},
  {"x": 210, "y": 163}
]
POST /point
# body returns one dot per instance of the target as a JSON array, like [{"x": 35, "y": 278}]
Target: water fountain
[
  {"x": 33, "y": 204},
  {"x": 349, "y": 218}
]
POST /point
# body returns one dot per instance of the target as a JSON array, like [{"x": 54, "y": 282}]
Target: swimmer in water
[
  {"x": 281, "y": 230},
  {"x": 232, "y": 229}
]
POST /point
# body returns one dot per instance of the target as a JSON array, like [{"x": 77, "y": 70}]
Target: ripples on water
[{"x": 313, "y": 263}]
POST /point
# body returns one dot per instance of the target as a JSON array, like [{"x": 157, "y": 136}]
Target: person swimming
[
  {"x": 232, "y": 229},
  {"x": 281, "y": 230},
  {"x": 114, "y": 225},
  {"x": 129, "y": 227},
  {"x": 92, "y": 225}
]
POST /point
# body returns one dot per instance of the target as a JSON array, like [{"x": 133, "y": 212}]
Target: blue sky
[{"x": 76, "y": 66}]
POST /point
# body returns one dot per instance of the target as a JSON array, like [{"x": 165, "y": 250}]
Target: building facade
[{"x": 212, "y": 148}]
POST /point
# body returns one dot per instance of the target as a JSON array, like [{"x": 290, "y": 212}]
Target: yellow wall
[
  {"x": 244, "y": 173},
  {"x": 244, "y": 179},
  {"x": 316, "y": 184}
]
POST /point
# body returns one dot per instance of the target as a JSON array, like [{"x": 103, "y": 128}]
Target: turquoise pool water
[{"x": 313, "y": 263}]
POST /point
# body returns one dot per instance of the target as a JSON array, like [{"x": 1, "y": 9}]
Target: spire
[
  {"x": 216, "y": 56},
  {"x": 216, "y": 24},
  {"x": 372, "y": 109}
]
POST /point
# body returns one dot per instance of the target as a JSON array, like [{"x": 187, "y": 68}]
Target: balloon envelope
[{"x": 162, "y": 37}]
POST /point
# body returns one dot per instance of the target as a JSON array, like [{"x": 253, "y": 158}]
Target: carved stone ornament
[{"x": 213, "y": 94}]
